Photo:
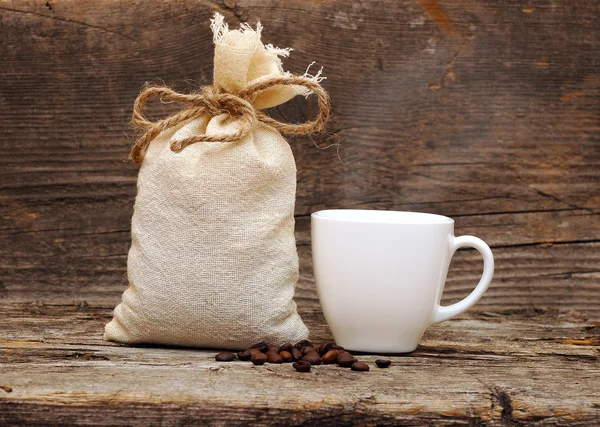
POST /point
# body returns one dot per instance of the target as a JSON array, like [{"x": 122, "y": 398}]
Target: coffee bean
[
  {"x": 303, "y": 343},
  {"x": 261, "y": 346},
  {"x": 383, "y": 363},
  {"x": 324, "y": 348},
  {"x": 273, "y": 348},
  {"x": 359, "y": 366},
  {"x": 259, "y": 358},
  {"x": 301, "y": 366},
  {"x": 225, "y": 356},
  {"x": 254, "y": 350},
  {"x": 313, "y": 358},
  {"x": 345, "y": 359},
  {"x": 274, "y": 357},
  {"x": 344, "y": 353},
  {"x": 330, "y": 357},
  {"x": 286, "y": 356},
  {"x": 296, "y": 354},
  {"x": 307, "y": 348},
  {"x": 286, "y": 347},
  {"x": 244, "y": 355},
  {"x": 337, "y": 347}
]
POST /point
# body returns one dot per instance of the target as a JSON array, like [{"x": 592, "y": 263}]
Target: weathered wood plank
[
  {"x": 490, "y": 369},
  {"x": 94, "y": 270},
  {"x": 485, "y": 111}
]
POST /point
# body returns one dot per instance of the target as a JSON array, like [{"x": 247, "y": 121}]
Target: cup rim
[{"x": 381, "y": 216}]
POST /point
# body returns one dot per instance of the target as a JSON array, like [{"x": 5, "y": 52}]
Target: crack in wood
[
  {"x": 569, "y": 274},
  {"x": 559, "y": 200},
  {"x": 504, "y": 400},
  {"x": 546, "y": 244},
  {"x": 515, "y": 212},
  {"x": 70, "y": 21},
  {"x": 62, "y": 230}
]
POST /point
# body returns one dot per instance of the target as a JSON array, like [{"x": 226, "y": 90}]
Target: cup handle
[{"x": 441, "y": 313}]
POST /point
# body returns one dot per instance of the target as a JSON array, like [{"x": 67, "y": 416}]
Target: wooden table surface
[
  {"x": 485, "y": 368},
  {"x": 487, "y": 111}
]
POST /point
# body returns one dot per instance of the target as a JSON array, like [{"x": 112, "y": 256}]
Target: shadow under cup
[{"x": 380, "y": 275}]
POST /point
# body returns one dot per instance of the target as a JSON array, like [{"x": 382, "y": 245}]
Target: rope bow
[{"x": 213, "y": 102}]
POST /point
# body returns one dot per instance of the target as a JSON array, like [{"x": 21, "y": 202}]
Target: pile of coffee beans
[{"x": 302, "y": 355}]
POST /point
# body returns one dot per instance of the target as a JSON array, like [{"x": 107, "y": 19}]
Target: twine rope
[{"x": 213, "y": 102}]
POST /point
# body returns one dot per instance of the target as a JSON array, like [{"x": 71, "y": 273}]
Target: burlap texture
[{"x": 213, "y": 259}]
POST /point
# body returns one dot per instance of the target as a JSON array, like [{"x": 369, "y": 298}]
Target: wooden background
[{"x": 485, "y": 111}]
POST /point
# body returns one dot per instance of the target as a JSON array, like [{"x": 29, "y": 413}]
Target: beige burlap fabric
[{"x": 213, "y": 259}]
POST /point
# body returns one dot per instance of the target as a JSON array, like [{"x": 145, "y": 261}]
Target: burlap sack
[{"x": 213, "y": 259}]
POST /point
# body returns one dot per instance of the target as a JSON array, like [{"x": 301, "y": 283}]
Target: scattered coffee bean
[
  {"x": 383, "y": 363},
  {"x": 301, "y": 366},
  {"x": 286, "y": 356},
  {"x": 345, "y": 359},
  {"x": 254, "y": 350},
  {"x": 303, "y": 343},
  {"x": 259, "y": 358},
  {"x": 359, "y": 366},
  {"x": 261, "y": 346},
  {"x": 244, "y": 355},
  {"x": 286, "y": 347},
  {"x": 313, "y": 358},
  {"x": 307, "y": 348},
  {"x": 274, "y": 357},
  {"x": 304, "y": 355},
  {"x": 296, "y": 354},
  {"x": 225, "y": 356},
  {"x": 324, "y": 348},
  {"x": 330, "y": 357}
]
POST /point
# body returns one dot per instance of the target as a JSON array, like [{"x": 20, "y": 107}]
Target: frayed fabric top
[{"x": 213, "y": 259}]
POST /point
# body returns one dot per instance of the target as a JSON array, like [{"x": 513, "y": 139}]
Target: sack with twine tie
[{"x": 213, "y": 259}]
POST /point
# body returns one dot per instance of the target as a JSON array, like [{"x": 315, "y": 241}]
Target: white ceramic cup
[{"x": 380, "y": 275}]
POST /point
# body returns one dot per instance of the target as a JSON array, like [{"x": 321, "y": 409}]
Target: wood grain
[
  {"x": 494, "y": 369},
  {"x": 484, "y": 111}
]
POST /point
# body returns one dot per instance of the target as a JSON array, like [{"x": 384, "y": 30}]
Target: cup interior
[{"x": 382, "y": 216}]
